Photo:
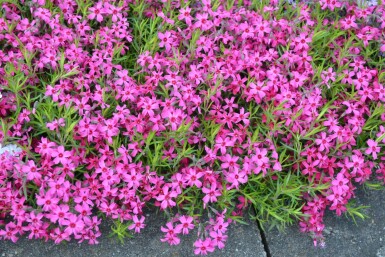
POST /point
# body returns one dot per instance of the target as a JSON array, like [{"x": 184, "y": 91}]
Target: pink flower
[
  {"x": 186, "y": 224},
  {"x": 166, "y": 40},
  {"x": 223, "y": 143},
  {"x": 348, "y": 22},
  {"x": 260, "y": 157},
  {"x": 341, "y": 182},
  {"x": 247, "y": 31},
  {"x": 262, "y": 27},
  {"x": 171, "y": 234},
  {"x": 301, "y": 42},
  {"x": 258, "y": 89},
  {"x": 137, "y": 224},
  {"x": 328, "y": 75},
  {"x": 124, "y": 78},
  {"x": 61, "y": 155},
  {"x": 202, "y": 22},
  {"x": 9, "y": 233},
  {"x": 192, "y": 177},
  {"x": 97, "y": 12},
  {"x": 211, "y": 194},
  {"x": 323, "y": 142},
  {"x": 373, "y": 148},
  {"x": 31, "y": 171},
  {"x": 74, "y": 224},
  {"x": 165, "y": 197},
  {"x": 47, "y": 201},
  {"x": 331, "y": 4},
  {"x": 236, "y": 178},
  {"x": 24, "y": 116},
  {"x": 230, "y": 162},
  {"x": 204, "y": 246},
  {"x": 218, "y": 239},
  {"x": 185, "y": 14}
]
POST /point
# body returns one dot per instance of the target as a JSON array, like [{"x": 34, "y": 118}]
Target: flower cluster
[{"x": 119, "y": 105}]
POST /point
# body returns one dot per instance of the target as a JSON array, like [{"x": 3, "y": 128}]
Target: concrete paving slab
[
  {"x": 343, "y": 237},
  {"x": 381, "y": 252},
  {"x": 243, "y": 241}
]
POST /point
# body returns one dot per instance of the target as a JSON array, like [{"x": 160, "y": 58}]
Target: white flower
[
  {"x": 365, "y": 3},
  {"x": 11, "y": 149},
  {"x": 371, "y": 2}
]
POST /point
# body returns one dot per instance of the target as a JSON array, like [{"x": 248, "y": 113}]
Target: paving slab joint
[{"x": 264, "y": 239}]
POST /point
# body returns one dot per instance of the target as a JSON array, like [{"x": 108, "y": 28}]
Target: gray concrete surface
[
  {"x": 244, "y": 240},
  {"x": 343, "y": 237},
  {"x": 381, "y": 252}
]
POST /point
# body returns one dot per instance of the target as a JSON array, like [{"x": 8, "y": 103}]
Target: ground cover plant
[{"x": 193, "y": 107}]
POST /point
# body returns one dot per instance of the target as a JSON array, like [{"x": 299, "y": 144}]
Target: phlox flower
[
  {"x": 74, "y": 224},
  {"x": 230, "y": 162},
  {"x": 298, "y": 79},
  {"x": 137, "y": 224},
  {"x": 210, "y": 155},
  {"x": 223, "y": 143},
  {"x": 171, "y": 234},
  {"x": 192, "y": 177},
  {"x": 373, "y": 148},
  {"x": 165, "y": 197},
  {"x": 60, "y": 155},
  {"x": 55, "y": 124},
  {"x": 220, "y": 224},
  {"x": 124, "y": 78},
  {"x": 165, "y": 40},
  {"x": 211, "y": 193},
  {"x": 247, "y": 31},
  {"x": 261, "y": 28},
  {"x": 186, "y": 224},
  {"x": 97, "y": 12},
  {"x": 50, "y": 58},
  {"x": 31, "y": 171},
  {"x": 323, "y": 142},
  {"x": 110, "y": 128},
  {"x": 114, "y": 11},
  {"x": 258, "y": 89},
  {"x": 218, "y": 239},
  {"x": 47, "y": 201},
  {"x": 260, "y": 157},
  {"x": 328, "y": 75},
  {"x": 10, "y": 149},
  {"x": 204, "y": 246},
  {"x": 301, "y": 42},
  {"x": 202, "y": 22},
  {"x": 9, "y": 233},
  {"x": 24, "y": 116},
  {"x": 348, "y": 22},
  {"x": 59, "y": 214},
  {"x": 331, "y": 4},
  {"x": 236, "y": 178},
  {"x": 361, "y": 81},
  {"x": 185, "y": 14}
]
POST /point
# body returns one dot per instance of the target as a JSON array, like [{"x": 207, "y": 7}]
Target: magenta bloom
[
  {"x": 137, "y": 224},
  {"x": 166, "y": 197},
  {"x": 373, "y": 148},
  {"x": 97, "y": 12},
  {"x": 60, "y": 155},
  {"x": 186, "y": 224},
  {"x": 204, "y": 246}
]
